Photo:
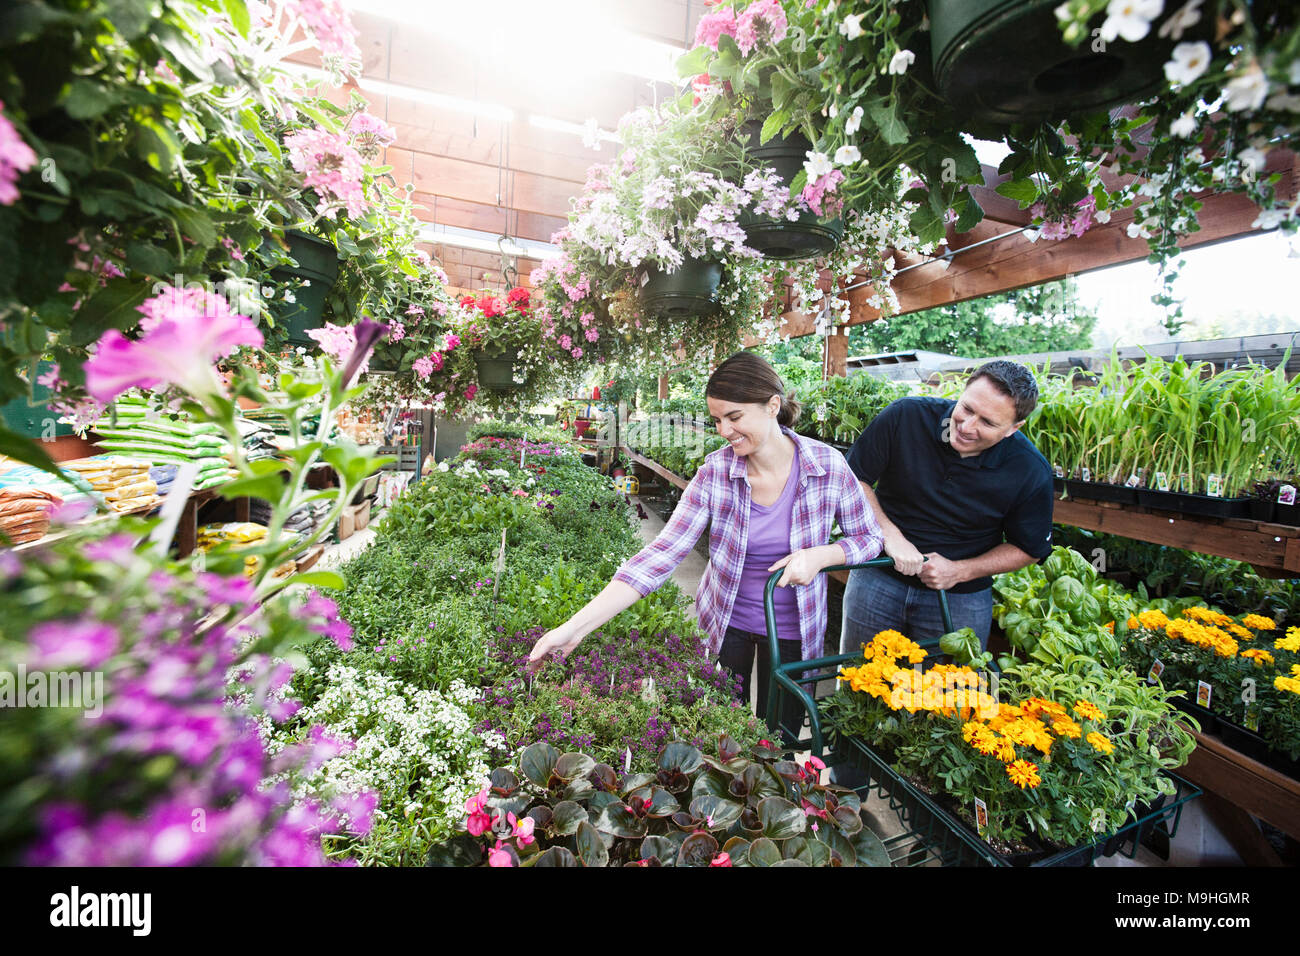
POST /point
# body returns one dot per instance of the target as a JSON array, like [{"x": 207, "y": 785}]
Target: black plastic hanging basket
[
  {"x": 689, "y": 290},
  {"x": 807, "y": 236},
  {"x": 318, "y": 264},
  {"x": 1005, "y": 61},
  {"x": 496, "y": 369}
]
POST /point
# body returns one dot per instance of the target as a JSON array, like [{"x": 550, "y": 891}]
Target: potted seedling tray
[
  {"x": 1252, "y": 745},
  {"x": 1099, "y": 491},
  {"x": 1187, "y": 504}
]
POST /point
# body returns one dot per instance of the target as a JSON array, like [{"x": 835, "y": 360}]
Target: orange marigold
[
  {"x": 1100, "y": 743},
  {"x": 1023, "y": 774},
  {"x": 1259, "y": 656},
  {"x": 1088, "y": 710}
]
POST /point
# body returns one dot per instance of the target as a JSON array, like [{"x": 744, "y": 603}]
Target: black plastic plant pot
[
  {"x": 1098, "y": 491},
  {"x": 1261, "y": 509},
  {"x": 1255, "y": 747},
  {"x": 1208, "y": 721},
  {"x": 807, "y": 236},
  {"x": 1287, "y": 514},
  {"x": 497, "y": 369},
  {"x": 318, "y": 264},
  {"x": 690, "y": 290},
  {"x": 1204, "y": 505},
  {"x": 1005, "y": 61}
]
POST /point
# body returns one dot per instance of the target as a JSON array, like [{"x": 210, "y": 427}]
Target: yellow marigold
[
  {"x": 1100, "y": 743},
  {"x": 971, "y": 729},
  {"x": 1240, "y": 632},
  {"x": 1206, "y": 615},
  {"x": 1019, "y": 731},
  {"x": 1259, "y": 622},
  {"x": 1153, "y": 620},
  {"x": 1295, "y": 670},
  {"x": 1088, "y": 710},
  {"x": 1259, "y": 656},
  {"x": 1065, "y": 727},
  {"x": 1006, "y": 751},
  {"x": 1289, "y": 643},
  {"x": 1287, "y": 683},
  {"x": 1133, "y": 623},
  {"x": 1023, "y": 774}
]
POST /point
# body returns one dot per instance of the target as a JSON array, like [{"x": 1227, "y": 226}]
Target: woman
[{"x": 770, "y": 498}]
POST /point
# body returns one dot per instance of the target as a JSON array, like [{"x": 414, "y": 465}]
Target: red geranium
[
  {"x": 467, "y": 301},
  {"x": 490, "y": 306},
  {"x": 518, "y": 297}
]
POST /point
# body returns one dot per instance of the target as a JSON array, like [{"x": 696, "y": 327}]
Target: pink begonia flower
[
  {"x": 722, "y": 859},
  {"x": 185, "y": 332},
  {"x": 331, "y": 24},
  {"x": 522, "y": 830},
  {"x": 499, "y": 857},
  {"x": 15, "y": 157},
  {"x": 331, "y": 166},
  {"x": 471, "y": 392}
]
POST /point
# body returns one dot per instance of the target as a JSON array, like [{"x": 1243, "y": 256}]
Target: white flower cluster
[{"x": 416, "y": 748}]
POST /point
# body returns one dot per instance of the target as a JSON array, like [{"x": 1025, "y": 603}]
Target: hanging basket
[
  {"x": 497, "y": 369},
  {"x": 318, "y": 263},
  {"x": 691, "y": 290},
  {"x": 807, "y": 236},
  {"x": 1004, "y": 61}
]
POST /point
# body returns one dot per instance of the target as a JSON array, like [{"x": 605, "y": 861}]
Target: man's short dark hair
[{"x": 1012, "y": 379}]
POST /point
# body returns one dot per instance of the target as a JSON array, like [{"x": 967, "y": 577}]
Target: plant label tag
[
  {"x": 1203, "y": 693},
  {"x": 1132, "y": 802},
  {"x": 1182, "y": 483},
  {"x": 1214, "y": 486},
  {"x": 1162, "y": 481},
  {"x": 1098, "y": 820},
  {"x": 821, "y": 412},
  {"x": 645, "y": 277},
  {"x": 981, "y": 816},
  {"x": 1058, "y": 471},
  {"x": 1087, "y": 475},
  {"x": 1133, "y": 480},
  {"x": 1251, "y": 719},
  {"x": 1286, "y": 495},
  {"x": 1157, "y": 668}
]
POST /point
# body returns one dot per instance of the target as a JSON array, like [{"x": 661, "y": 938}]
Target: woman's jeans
[{"x": 737, "y": 655}]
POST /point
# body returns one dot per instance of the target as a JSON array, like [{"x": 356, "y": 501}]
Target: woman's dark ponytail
[{"x": 746, "y": 378}]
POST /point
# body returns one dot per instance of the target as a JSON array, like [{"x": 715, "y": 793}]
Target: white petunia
[
  {"x": 847, "y": 155},
  {"x": 901, "y": 61},
  {"x": 1184, "y": 126},
  {"x": 1247, "y": 91},
  {"x": 1130, "y": 19},
  {"x": 1189, "y": 61},
  {"x": 1271, "y": 218},
  {"x": 1186, "y": 17},
  {"x": 851, "y": 27},
  {"x": 818, "y": 165},
  {"x": 854, "y": 121}
]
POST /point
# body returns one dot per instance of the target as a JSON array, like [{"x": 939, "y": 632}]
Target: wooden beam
[
  {"x": 1266, "y": 545},
  {"x": 835, "y": 354},
  {"x": 1259, "y": 790}
]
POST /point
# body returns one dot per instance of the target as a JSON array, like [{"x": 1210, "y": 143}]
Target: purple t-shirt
[{"x": 768, "y": 543}]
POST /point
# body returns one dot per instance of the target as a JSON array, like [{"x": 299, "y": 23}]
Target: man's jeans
[{"x": 876, "y": 601}]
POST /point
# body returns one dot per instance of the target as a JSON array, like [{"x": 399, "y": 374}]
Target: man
[{"x": 960, "y": 495}]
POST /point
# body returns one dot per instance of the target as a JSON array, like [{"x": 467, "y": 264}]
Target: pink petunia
[{"x": 16, "y": 157}]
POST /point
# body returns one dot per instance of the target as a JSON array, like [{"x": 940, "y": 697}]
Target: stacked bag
[
  {"x": 240, "y": 534},
  {"x": 124, "y": 482},
  {"x": 24, "y": 514},
  {"x": 167, "y": 441}
]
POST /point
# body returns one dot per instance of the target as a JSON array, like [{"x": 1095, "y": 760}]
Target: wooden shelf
[
  {"x": 1246, "y": 784},
  {"x": 657, "y": 468},
  {"x": 1274, "y": 549}
]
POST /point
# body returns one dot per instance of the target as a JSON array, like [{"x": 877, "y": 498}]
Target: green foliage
[{"x": 738, "y": 809}]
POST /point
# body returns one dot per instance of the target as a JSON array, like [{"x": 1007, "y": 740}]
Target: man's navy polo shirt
[{"x": 941, "y": 502}]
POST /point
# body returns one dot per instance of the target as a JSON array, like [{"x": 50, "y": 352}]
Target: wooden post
[
  {"x": 663, "y": 387},
  {"x": 835, "y": 353}
]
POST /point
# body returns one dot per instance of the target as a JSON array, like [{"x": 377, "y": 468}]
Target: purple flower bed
[{"x": 605, "y": 684}]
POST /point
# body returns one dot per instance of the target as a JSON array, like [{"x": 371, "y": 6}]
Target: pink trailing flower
[
  {"x": 336, "y": 341},
  {"x": 437, "y": 359},
  {"x": 396, "y": 331},
  {"x": 331, "y": 166},
  {"x": 16, "y": 157},
  {"x": 74, "y": 644},
  {"x": 592, "y": 335},
  {"x": 233, "y": 248},
  {"x": 372, "y": 134},
  {"x": 762, "y": 20},
  {"x": 566, "y": 343},
  {"x": 471, "y": 392},
  {"x": 185, "y": 332},
  {"x": 330, "y": 23},
  {"x": 576, "y": 353},
  {"x": 814, "y": 193},
  {"x": 414, "y": 309},
  {"x": 423, "y": 367},
  {"x": 712, "y": 26},
  {"x": 453, "y": 340}
]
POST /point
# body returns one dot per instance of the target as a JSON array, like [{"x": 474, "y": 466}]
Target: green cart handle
[{"x": 781, "y": 673}]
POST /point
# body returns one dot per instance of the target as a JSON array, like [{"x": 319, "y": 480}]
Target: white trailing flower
[
  {"x": 847, "y": 155},
  {"x": 1130, "y": 19},
  {"x": 854, "y": 122},
  {"x": 1246, "y": 91},
  {"x": 901, "y": 61},
  {"x": 817, "y": 165},
  {"x": 1184, "y": 18},
  {"x": 851, "y": 27},
  {"x": 1184, "y": 126},
  {"x": 1189, "y": 61}
]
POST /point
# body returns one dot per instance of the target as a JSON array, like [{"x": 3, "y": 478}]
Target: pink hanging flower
[
  {"x": 566, "y": 343},
  {"x": 423, "y": 367},
  {"x": 437, "y": 360},
  {"x": 396, "y": 331},
  {"x": 453, "y": 340},
  {"x": 592, "y": 335},
  {"x": 185, "y": 332},
  {"x": 331, "y": 166},
  {"x": 471, "y": 392},
  {"x": 712, "y": 26},
  {"x": 15, "y": 157},
  {"x": 576, "y": 353},
  {"x": 372, "y": 134},
  {"x": 414, "y": 309},
  {"x": 329, "y": 22}
]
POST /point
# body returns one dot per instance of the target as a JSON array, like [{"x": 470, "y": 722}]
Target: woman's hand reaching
[{"x": 558, "y": 643}]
